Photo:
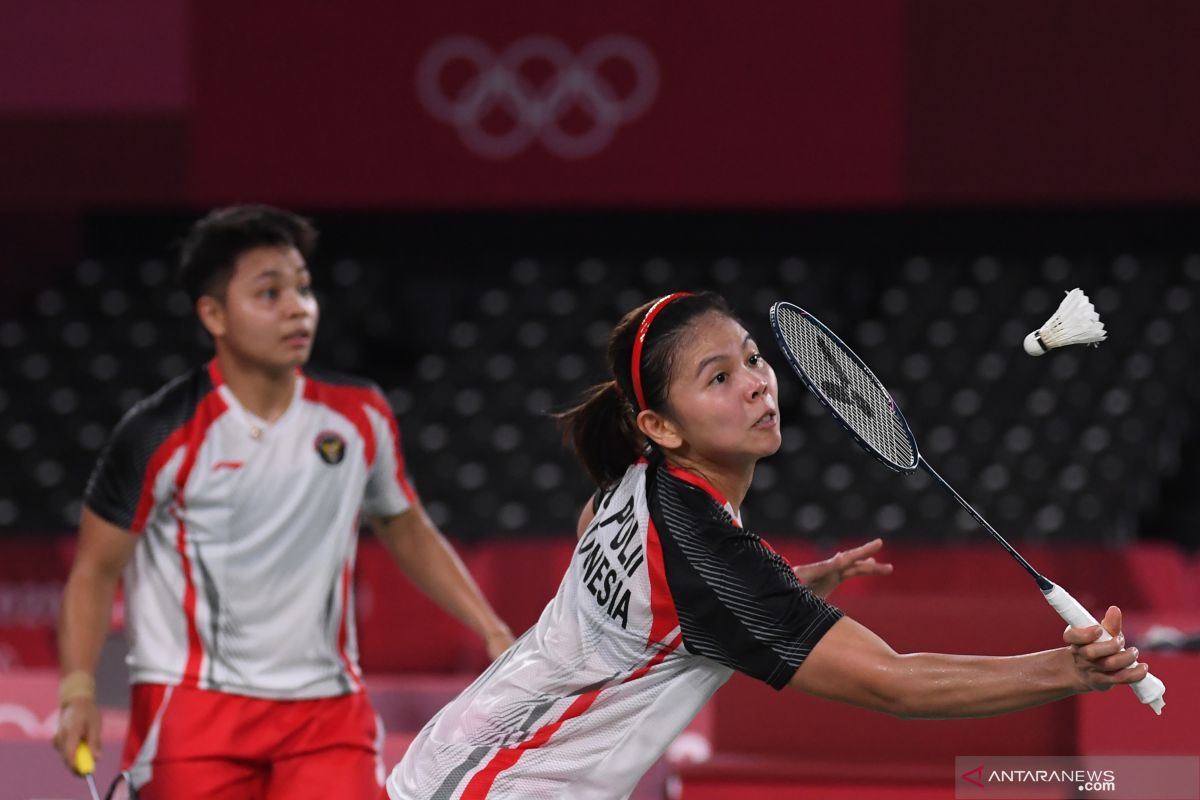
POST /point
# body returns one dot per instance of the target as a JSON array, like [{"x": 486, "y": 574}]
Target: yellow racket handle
[{"x": 85, "y": 762}]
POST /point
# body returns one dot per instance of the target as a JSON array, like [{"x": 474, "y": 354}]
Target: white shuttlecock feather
[{"x": 1075, "y": 322}]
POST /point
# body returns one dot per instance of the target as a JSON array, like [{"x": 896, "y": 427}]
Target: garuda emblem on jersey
[{"x": 331, "y": 447}]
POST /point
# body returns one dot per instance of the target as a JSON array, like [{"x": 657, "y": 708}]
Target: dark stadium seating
[{"x": 1077, "y": 445}]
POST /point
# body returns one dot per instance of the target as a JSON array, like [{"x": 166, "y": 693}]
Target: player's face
[
  {"x": 270, "y": 313},
  {"x": 723, "y": 393}
]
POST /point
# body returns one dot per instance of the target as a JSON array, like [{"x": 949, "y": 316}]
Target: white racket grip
[{"x": 1149, "y": 689}]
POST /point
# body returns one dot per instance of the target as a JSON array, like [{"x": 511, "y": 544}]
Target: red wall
[{"x": 888, "y": 103}]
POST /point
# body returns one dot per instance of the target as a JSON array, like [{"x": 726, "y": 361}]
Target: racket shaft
[
  {"x": 1042, "y": 582},
  {"x": 91, "y": 782},
  {"x": 1149, "y": 689}
]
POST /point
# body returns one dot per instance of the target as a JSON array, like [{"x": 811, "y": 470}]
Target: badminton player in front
[
  {"x": 667, "y": 594},
  {"x": 230, "y": 500}
]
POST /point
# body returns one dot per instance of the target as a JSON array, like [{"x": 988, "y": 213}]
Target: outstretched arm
[
  {"x": 83, "y": 622},
  {"x": 853, "y": 665},
  {"x": 431, "y": 563}
]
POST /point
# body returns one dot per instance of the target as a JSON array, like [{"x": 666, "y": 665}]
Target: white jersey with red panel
[
  {"x": 242, "y": 579},
  {"x": 666, "y": 594}
]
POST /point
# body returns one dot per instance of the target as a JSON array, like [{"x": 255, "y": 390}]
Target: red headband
[{"x": 636, "y": 366}]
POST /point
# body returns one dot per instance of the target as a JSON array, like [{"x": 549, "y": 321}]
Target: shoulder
[
  {"x": 336, "y": 388},
  {"x": 685, "y": 500},
  {"x": 339, "y": 380},
  {"x": 348, "y": 395},
  {"x": 169, "y": 408}
]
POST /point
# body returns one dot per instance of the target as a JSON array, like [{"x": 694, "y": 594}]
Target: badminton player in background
[
  {"x": 667, "y": 594},
  {"x": 230, "y": 502}
]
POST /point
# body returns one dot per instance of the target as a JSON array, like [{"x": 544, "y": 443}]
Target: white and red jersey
[
  {"x": 242, "y": 579},
  {"x": 665, "y": 596}
]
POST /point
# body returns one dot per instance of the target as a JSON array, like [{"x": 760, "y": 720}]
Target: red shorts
[{"x": 192, "y": 743}]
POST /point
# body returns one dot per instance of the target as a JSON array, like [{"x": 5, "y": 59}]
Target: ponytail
[
  {"x": 602, "y": 427},
  {"x": 602, "y": 432}
]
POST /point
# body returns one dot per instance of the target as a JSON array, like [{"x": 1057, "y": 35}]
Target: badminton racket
[
  {"x": 85, "y": 765},
  {"x": 848, "y": 389}
]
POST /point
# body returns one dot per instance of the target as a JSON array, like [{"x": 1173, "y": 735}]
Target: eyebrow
[
  {"x": 705, "y": 362},
  {"x": 278, "y": 273}
]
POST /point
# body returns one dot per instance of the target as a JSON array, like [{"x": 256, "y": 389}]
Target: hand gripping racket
[
  {"x": 857, "y": 400},
  {"x": 85, "y": 765}
]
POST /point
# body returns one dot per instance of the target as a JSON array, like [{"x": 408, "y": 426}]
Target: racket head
[
  {"x": 845, "y": 386},
  {"x": 121, "y": 788}
]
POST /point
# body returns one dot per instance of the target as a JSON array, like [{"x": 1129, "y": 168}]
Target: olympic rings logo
[{"x": 500, "y": 84}]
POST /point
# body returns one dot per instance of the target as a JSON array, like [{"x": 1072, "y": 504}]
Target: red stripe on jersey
[
  {"x": 482, "y": 781},
  {"x": 194, "y": 431},
  {"x": 349, "y": 401},
  {"x": 377, "y": 402},
  {"x": 343, "y": 626},
  {"x": 696, "y": 480},
  {"x": 191, "y": 669},
  {"x": 662, "y": 606},
  {"x": 191, "y": 434},
  {"x": 214, "y": 374}
]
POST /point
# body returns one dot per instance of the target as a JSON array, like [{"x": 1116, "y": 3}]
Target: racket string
[{"x": 861, "y": 401}]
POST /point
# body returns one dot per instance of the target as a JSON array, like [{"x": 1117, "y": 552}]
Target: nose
[
  {"x": 297, "y": 305},
  {"x": 757, "y": 386}
]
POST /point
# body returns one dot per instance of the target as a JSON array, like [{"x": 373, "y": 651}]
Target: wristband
[{"x": 76, "y": 685}]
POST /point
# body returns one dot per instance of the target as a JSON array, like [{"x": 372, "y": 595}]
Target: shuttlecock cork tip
[{"x": 1033, "y": 345}]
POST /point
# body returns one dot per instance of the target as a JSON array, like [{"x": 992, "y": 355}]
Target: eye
[
  {"x": 306, "y": 290},
  {"x": 755, "y": 359},
  {"x": 719, "y": 377},
  {"x": 270, "y": 294}
]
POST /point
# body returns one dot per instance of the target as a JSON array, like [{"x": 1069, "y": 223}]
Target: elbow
[
  {"x": 898, "y": 706},
  {"x": 893, "y": 691},
  {"x": 911, "y": 690}
]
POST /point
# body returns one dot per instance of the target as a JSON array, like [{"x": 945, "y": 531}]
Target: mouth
[
  {"x": 298, "y": 339},
  {"x": 767, "y": 420}
]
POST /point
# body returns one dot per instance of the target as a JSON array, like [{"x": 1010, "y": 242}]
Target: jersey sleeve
[
  {"x": 389, "y": 490},
  {"x": 115, "y": 485},
  {"x": 122, "y": 488},
  {"x": 118, "y": 489},
  {"x": 738, "y": 602}
]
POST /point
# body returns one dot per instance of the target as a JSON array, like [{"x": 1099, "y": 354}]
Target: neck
[
  {"x": 265, "y": 393},
  {"x": 731, "y": 480}
]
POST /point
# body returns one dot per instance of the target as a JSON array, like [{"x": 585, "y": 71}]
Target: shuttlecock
[{"x": 1075, "y": 322}]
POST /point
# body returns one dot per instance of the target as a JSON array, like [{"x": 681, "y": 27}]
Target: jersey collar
[{"x": 699, "y": 482}]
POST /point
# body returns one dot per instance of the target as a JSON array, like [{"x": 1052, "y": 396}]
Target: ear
[
  {"x": 659, "y": 429},
  {"x": 211, "y": 312}
]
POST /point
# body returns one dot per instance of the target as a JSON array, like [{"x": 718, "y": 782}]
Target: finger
[
  {"x": 1081, "y": 636},
  {"x": 1108, "y": 664},
  {"x": 1106, "y": 680},
  {"x": 1118, "y": 661},
  {"x": 863, "y": 550},
  {"x": 70, "y": 742},
  {"x": 1098, "y": 650},
  {"x": 1131, "y": 675},
  {"x": 868, "y": 567},
  {"x": 1112, "y": 622},
  {"x": 93, "y": 736}
]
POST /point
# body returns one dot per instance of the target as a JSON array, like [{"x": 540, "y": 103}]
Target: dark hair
[
  {"x": 601, "y": 428},
  {"x": 215, "y": 243}
]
